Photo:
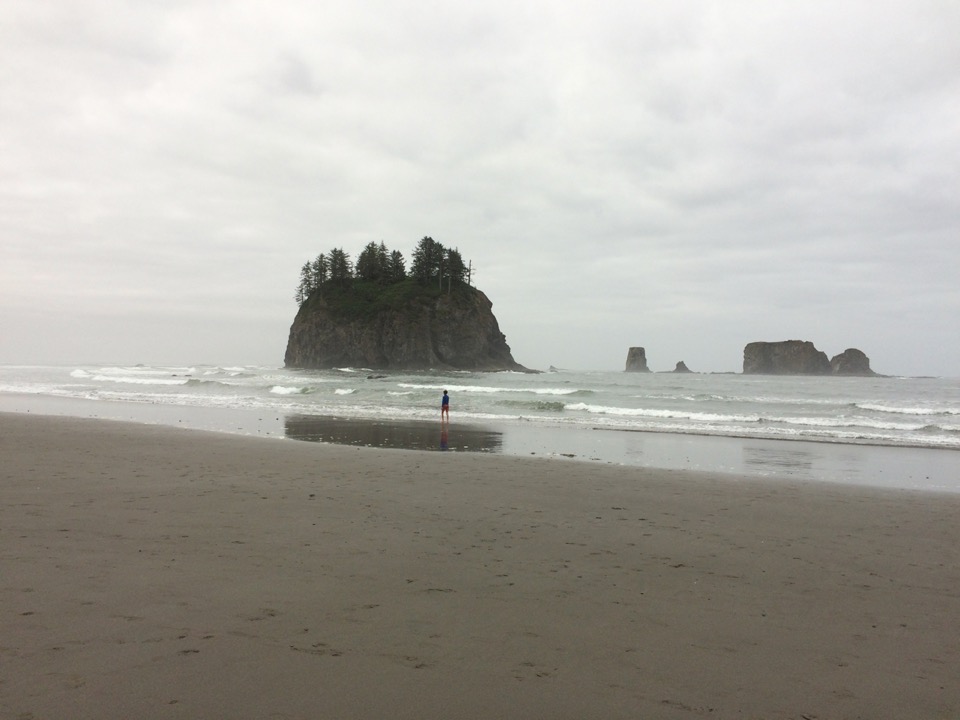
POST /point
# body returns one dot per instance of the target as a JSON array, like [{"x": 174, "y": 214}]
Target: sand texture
[{"x": 151, "y": 572}]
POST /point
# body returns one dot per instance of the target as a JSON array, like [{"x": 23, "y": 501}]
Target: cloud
[{"x": 688, "y": 177}]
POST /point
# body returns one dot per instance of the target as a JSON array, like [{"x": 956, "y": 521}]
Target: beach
[{"x": 155, "y": 572}]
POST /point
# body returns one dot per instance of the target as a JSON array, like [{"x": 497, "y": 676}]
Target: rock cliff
[
  {"x": 636, "y": 360},
  {"x": 681, "y": 368},
  {"x": 798, "y": 357},
  {"x": 790, "y": 357},
  {"x": 851, "y": 362},
  {"x": 405, "y": 328}
]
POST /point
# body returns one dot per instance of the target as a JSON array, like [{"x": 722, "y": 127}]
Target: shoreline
[
  {"x": 156, "y": 573},
  {"x": 904, "y": 467}
]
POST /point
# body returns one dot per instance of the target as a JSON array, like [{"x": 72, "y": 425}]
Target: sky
[{"x": 683, "y": 176}]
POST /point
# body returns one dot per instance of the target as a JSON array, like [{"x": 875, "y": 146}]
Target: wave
[
  {"x": 140, "y": 375},
  {"x": 907, "y": 410},
  {"x": 863, "y": 422},
  {"x": 536, "y": 405},
  {"x": 233, "y": 372},
  {"x": 129, "y": 380},
  {"x": 344, "y": 391},
  {"x": 287, "y": 390},
  {"x": 196, "y": 382},
  {"x": 486, "y": 389},
  {"x": 672, "y": 414}
]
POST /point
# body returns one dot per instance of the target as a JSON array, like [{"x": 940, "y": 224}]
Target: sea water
[{"x": 668, "y": 410}]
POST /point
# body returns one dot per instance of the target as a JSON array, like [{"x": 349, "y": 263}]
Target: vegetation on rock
[{"x": 379, "y": 278}]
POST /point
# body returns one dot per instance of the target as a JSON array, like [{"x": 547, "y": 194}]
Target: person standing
[{"x": 445, "y": 406}]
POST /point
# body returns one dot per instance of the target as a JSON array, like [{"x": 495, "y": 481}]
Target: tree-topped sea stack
[{"x": 376, "y": 315}]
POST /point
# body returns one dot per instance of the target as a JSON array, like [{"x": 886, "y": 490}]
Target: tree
[
  {"x": 396, "y": 267},
  {"x": 427, "y": 260},
  {"x": 455, "y": 269},
  {"x": 306, "y": 285},
  {"x": 383, "y": 263},
  {"x": 341, "y": 271},
  {"x": 320, "y": 270},
  {"x": 369, "y": 265}
]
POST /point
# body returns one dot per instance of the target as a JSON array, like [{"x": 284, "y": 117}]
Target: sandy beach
[{"x": 152, "y": 572}]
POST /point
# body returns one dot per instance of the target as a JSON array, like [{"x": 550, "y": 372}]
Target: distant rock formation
[
  {"x": 799, "y": 357},
  {"x": 636, "y": 360},
  {"x": 851, "y": 362},
  {"x": 682, "y": 368},
  {"x": 426, "y": 330},
  {"x": 789, "y": 357}
]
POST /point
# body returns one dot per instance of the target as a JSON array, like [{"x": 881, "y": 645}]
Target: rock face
[
  {"x": 790, "y": 357},
  {"x": 448, "y": 331},
  {"x": 851, "y": 362},
  {"x": 637, "y": 360},
  {"x": 798, "y": 357},
  {"x": 682, "y": 368}
]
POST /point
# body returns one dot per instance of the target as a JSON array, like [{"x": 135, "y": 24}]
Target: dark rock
[
  {"x": 636, "y": 360},
  {"x": 789, "y": 357},
  {"x": 454, "y": 330},
  {"x": 682, "y": 368},
  {"x": 851, "y": 362}
]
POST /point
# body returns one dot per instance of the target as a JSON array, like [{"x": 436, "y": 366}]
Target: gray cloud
[{"x": 688, "y": 177}]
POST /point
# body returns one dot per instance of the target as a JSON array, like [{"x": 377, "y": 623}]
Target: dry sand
[{"x": 152, "y": 572}]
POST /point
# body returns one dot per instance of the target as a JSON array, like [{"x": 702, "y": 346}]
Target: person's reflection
[{"x": 444, "y": 438}]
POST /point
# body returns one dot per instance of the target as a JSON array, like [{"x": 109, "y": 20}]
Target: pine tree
[
  {"x": 321, "y": 270},
  {"x": 455, "y": 269},
  {"x": 368, "y": 266},
  {"x": 396, "y": 267},
  {"x": 306, "y": 284},
  {"x": 383, "y": 263},
  {"x": 341, "y": 271},
  {"x": 427, "y": 260}
]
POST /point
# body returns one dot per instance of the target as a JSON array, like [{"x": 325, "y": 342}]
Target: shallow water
[
  {"x": 895, "y": 467},
  {"x": 918, "y": 412}
]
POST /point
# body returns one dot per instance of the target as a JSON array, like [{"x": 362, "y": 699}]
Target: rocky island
[
  {"x": 375, "y": 315},
  {"x": 799, "y": 357},
  {"x": 787, "y": 357},
  {"x": 636, "y": 360}
]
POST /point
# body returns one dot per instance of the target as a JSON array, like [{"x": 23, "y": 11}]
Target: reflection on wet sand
[
  {"x": 410, "y": 435},
  {"x": 778, "y": 459}
]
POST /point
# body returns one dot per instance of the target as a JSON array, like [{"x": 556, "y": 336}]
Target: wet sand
[
  {"x": 152, "y": 572},
  {"x": 848, "y": 464}
]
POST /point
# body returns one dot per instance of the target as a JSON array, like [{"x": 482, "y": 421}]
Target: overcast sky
[{"x": 684, "y": 176}]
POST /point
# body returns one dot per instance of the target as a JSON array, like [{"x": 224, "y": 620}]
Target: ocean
[{"x": 559, "y": 414}]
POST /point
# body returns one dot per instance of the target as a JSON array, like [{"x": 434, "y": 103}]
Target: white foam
[
  {"x": 908, "y": 410},
  {"x": 141, "y": 380},
  {"x": 284, "y": 390},
  {"x": 489, "y": 390},
  {"x": 672, "y": 414}
]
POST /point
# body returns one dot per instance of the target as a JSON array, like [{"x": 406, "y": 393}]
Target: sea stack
[
  {"x": 851, "y": 362},
  {"x": 440, "y": 330},
  {"x": 637, "y": 360},
  {"x": 788, "y": 357},
  {"x": 799, "y": 357}
]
